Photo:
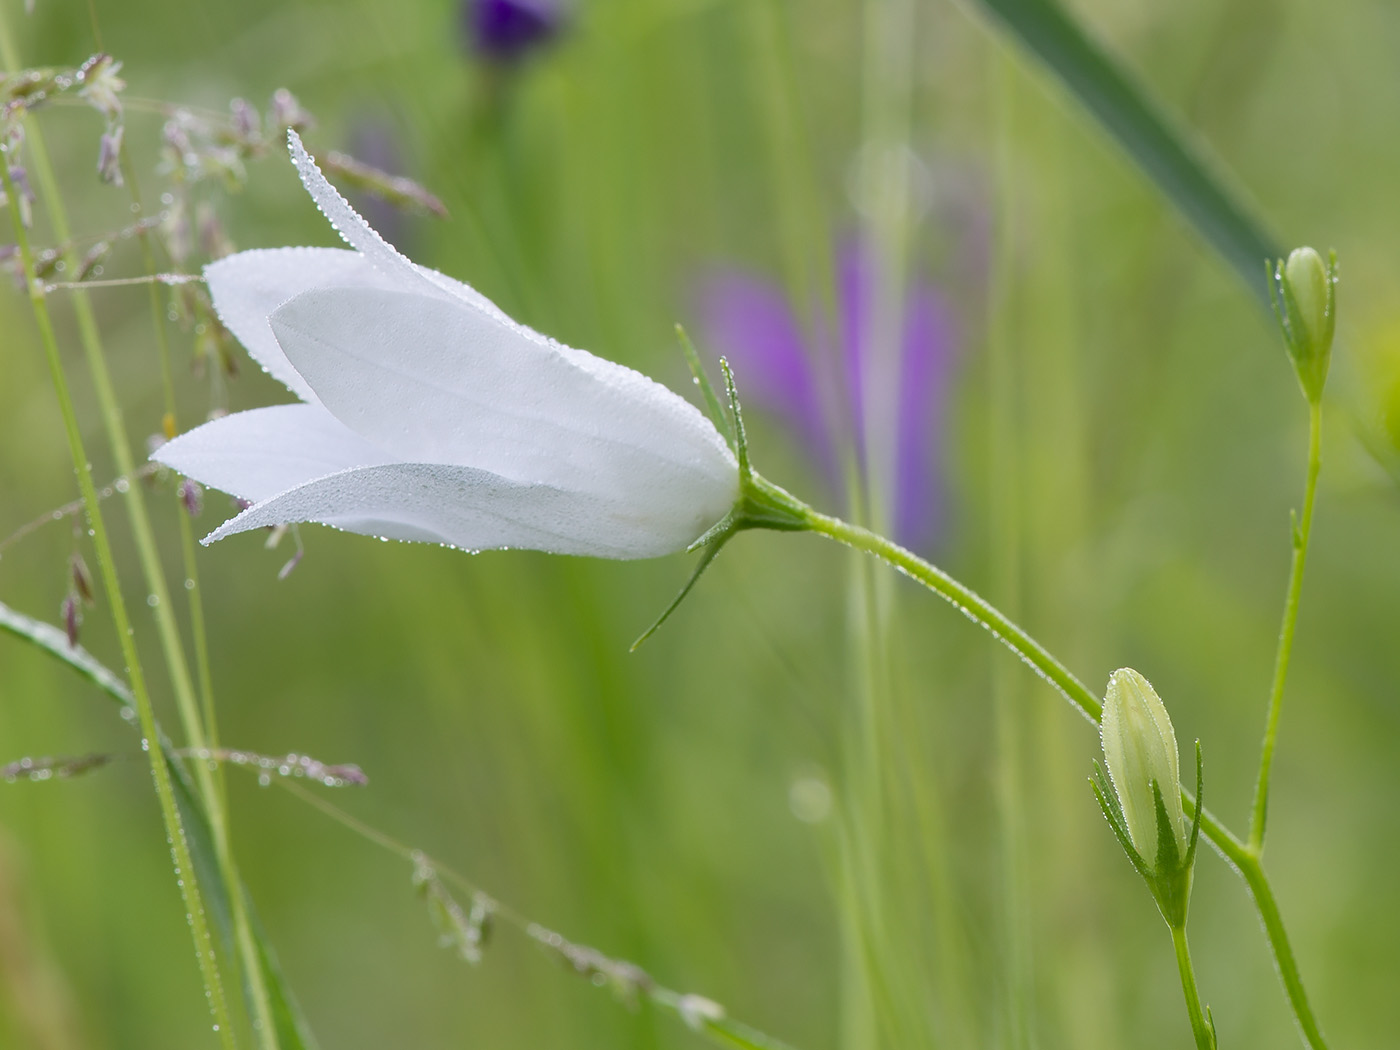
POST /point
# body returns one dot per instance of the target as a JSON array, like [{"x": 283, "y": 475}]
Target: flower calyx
[
  {"x": 1140, "y": 794},
  {"x": 1304, "y": 294},
  {"x": 761, "y": 504}
]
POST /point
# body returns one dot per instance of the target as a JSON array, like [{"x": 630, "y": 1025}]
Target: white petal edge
[
  {"x": 365, "y": 239},
  {"x": 257, "y": 454},
  {"x": 434, "y": 381},
  {"x": 462, "y": 507}
]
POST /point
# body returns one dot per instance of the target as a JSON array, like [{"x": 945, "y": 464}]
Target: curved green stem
[
  {"x": 976, "y": 608},
  {"x": 179, "y": 847},
  {"x": 966, "y": 601},
  {"x": 1205, "y": 1039},
  {"x": 1301, "y": 534}
]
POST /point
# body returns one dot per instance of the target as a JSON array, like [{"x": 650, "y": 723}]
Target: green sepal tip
[
  {"x": 761, "y": 504},
  {"x": 713, "y": 407}
]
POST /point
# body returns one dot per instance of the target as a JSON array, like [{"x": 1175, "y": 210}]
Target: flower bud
[
  {"x": 1304, "y": 294},
  {"x": 1142, "y": 800},
  {"x": 1139, "y": 747}
]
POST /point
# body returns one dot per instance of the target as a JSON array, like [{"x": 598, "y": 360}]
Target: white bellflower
[{"x": 428, "y": 414}]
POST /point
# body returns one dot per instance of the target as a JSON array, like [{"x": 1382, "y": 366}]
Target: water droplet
[
  {"x": 152, "y": 600},
  {"x": 122, "y": 485},
  {"x": 810, "y": 799},
  {"x": 189, "y": 584}
]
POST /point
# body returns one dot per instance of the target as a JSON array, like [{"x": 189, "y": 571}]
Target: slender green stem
[
  {"x": 976, "y": 608},
  {"x": 1301, "y": 533},
  {"x": 211, "y": 783},
  {"x": 1264, "y": 902},
  {"x": 118, "y": 441},
  {"x": 184, "y": 867},
  {"x": 1199, "y": 1028},
  {"x": 966, "y": 601},
  {"x": 698, "y": 1014}
]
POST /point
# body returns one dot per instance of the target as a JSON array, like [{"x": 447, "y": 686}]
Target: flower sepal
[
  {"x": 1168, "y": 876},
  {"x": 761, "y": 504}
]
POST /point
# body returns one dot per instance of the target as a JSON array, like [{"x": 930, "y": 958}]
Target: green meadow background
[{"x": 1133, "y": 509}]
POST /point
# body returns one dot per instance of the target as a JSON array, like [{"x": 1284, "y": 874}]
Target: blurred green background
[{"x": 1134, "y": 509}]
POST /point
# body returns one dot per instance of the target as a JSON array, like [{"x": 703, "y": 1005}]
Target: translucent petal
[
  {"x": 467, "y": 508},
  {"x": 248, "y": 287},
  {"x": 437, "y": 381},
  {"x": 257, "y": 454}
]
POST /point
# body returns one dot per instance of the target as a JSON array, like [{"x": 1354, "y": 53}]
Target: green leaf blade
[{"x": 1179, "y": 165}]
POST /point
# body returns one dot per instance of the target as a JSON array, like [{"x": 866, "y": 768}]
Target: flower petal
[
  {"x": 257, "y": 454},
  {"x": 378, "y": 252},
  {"x": 468, "y": 508},
  {"x": 249, "y": 286},
  {"x": 438, "y": 381}
]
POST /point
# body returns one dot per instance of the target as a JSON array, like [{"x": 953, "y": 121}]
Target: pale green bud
[
  {"x": 1304, "y": 293},
  {"x": 1139, "y": 747},
  {"x": 1140, "y": 795}
]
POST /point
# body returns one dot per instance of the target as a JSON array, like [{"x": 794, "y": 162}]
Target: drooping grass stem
[
  {"x": 211, "y": 783},
  {"x": 698, "y": 1014},
  {"x": 184, "y": 867},
  {"x": 1301, "y": 533}
]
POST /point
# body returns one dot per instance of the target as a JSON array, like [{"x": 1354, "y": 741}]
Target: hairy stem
[
  {"x": 980, "y": 611},
  {"x": 1301, "y": 534},
  {"x": 184, "y": 867},
  {"x": 1199, "y": 1028}
]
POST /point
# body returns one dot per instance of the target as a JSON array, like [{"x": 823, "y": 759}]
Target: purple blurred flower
[
  {"x": 508, "y": 30},
  {"x": 788, "y": 371}
]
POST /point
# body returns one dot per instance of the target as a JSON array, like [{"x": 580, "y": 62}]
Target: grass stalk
[
  {"x": 700, "y": 1015},
  {"x": 212, "y": 786},
  {"x": 184, "y": 867}
]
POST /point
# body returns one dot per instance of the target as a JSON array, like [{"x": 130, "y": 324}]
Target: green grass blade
[
  {"x": 1179, "y": 164},
  {"x": 292, "y": 1030},
  {"x": 54, "y": 641}
]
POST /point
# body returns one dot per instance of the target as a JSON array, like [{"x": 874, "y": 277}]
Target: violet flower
[{"x": 508, "y": 30}]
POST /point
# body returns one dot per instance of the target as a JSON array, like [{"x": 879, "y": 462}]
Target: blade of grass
[
  {"x": 1178, "y": 163},
  {"x": 54, "y": 641},
  {"x": 292, "y": 1031}
]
